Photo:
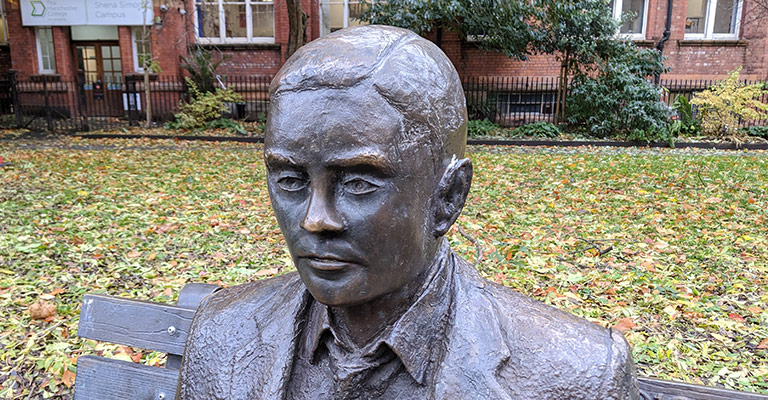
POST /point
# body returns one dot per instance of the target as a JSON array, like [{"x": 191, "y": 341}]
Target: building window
[
  {"x": 142, "y": 48},
  {"x": 46, "y": 60},
  {"x": 3, "y": 24},
  {"x": 233, "y": 21},
  {"x": 339, "y": 14},
  {"x": 518, "y": 105},
  {"x": 635, "y": 27},
  {"x": 712, "y": 19}
]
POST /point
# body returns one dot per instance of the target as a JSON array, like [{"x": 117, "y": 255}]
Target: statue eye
[
  {"x": 359, "y": 186},
  {"x": 291, "y": 183}
]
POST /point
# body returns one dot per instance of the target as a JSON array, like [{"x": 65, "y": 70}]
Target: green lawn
[{"x": 670, "y": 246}]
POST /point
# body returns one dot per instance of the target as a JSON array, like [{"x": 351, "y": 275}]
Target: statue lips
[{"x": 327, "y": 265}]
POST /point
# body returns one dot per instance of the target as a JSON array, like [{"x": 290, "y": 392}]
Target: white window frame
[
  {"x": 320, "y": 4},
  {"x": 709, "y": 24},
  {"x": 223, "y": 39},
  {"x": 617, "y": 14},
  {"x": 40, "y": 68},
  {"x": 4, "y": 20},
  {"x": 136, "y": 66}
]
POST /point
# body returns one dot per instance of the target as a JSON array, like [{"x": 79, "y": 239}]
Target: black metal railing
[{"x": 46, "y": 103}]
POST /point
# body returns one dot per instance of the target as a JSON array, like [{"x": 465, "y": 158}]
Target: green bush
[
  {"x": 722, "y": 107},
  {"x": 686, "y": 125},
  {"x": 538, "y": 129},
  {"x": 618, "y": 102},
  {"x": 756, "y": 131},
  {"x": 203, "y": 108},
  {"x": 481, "y": 128}
]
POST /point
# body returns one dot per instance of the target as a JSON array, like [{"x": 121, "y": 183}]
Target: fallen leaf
[
  {"x": 68, "y": 378},
  {"x": 755, "y": 310},
  {"x": 133, "y": 254},
  {"x": 763, "y": 344},
  {"x": 42, "y": 310},
  {"x": 266, "y": 272},
  {"x": 624, "y": 325},
  {"x": 736, "y": 317}
]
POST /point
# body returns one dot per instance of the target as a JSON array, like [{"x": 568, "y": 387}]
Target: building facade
[{"x": 109, "y": 39}]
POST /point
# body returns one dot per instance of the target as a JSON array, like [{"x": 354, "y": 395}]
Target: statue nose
[{"x": 322, "y": 215}]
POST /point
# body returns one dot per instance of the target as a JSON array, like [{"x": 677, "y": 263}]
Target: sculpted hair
[{"x": 409, "y": 72}]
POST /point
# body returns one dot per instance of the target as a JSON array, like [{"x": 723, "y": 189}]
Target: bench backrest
[
  {"x": 163, "y": 327},
  {"x": 135, "y": 323}
]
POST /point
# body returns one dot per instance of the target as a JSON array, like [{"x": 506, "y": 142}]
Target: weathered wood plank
[
  {"x": 101, "y": 378},
  {"x": 672, "y": 390},
  {"x": 152, "y": 326}
]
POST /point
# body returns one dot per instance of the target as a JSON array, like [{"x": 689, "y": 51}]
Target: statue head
[{"x": 364, "y": 147}]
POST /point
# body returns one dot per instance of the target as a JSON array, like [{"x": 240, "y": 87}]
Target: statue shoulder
[
  {"x": 577, "y": 358},
  {"x": 229, "y": 324}
]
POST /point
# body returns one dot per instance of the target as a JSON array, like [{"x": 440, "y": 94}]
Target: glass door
[{"x": 103, "y": 69}]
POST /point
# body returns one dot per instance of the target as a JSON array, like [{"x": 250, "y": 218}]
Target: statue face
[{"x": 351, "y": 201}]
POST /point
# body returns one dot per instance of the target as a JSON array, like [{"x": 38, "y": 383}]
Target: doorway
[{"x": 103, "y": 86}]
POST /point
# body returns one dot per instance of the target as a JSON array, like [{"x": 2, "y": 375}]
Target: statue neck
[{"x": 364, "y": 322}]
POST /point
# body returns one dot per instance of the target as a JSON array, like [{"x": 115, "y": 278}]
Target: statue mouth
[{"x": 328, "y": 263}]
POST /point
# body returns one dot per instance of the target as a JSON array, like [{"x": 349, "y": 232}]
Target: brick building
[{"x": 105, "y": 38}]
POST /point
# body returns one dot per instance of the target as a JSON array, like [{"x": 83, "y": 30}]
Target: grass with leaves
[{"x": 671, "y": 247}]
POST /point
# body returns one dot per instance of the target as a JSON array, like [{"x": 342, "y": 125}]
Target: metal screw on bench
[
  {"x": 161, "y": 395},
  {"x": 171, "y": 331}
]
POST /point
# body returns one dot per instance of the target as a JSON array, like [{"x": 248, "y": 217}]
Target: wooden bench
[{"x": 164, "y": 327}]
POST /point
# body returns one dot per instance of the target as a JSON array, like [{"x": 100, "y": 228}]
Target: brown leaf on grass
[
  {"x": 755, "y": 310},
  {"x": 763, "y": 344},
  {"x": 624, "y": 325},
  {"x": 56, "y": 291},
  {"x": 736, "y": 317},
  {"x": 133, "y": 254},
  {"x": 266, "y": 272},
  {"x": 68, "y": 378},
  {"x": 42, "y": 310}
]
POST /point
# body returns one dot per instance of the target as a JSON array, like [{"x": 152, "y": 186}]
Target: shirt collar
[{"x": 418, "y": 336}]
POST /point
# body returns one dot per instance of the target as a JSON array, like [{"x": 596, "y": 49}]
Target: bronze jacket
[{"x": 501, "y": 345}]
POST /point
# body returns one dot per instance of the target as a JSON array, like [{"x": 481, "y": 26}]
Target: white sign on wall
[{"x": 85, "y": 12}]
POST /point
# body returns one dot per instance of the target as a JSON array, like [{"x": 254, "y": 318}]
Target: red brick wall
[
  {"x": 22, "y": 42},
  {"x": 172, "y": 37}
]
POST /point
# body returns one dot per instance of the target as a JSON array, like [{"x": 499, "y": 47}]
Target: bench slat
[
  {"x": 670, "y": 389},
  {"x": 135, "y": 323},
  {"x": 100, "y": 378}
]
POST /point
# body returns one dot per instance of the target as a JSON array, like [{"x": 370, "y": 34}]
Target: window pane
[
  {"x": 235, "y": 20},
  {"x": 696, "y": 16},
  {"x": 636, "y": 7},
  {"x": 47, "y": 57},
  {"x": 263, "y": 20},
  {"x": 3, "y": 35},
  {"x": 725, "y": 16},
  {"x": 208, "y": 18},
  {"x": 336, "y": 16}
]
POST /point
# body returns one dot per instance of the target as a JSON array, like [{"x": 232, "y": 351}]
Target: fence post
[
  {"x": 15, "y": 99},
  {"x": 48, "y": 116},
  {"x": 81, "y": 101}
]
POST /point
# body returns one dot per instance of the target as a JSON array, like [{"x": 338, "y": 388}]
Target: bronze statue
[{"x": 364, "y": 149}]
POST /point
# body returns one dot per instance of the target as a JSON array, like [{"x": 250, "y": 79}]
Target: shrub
[
  {"x": 204, "y": 107},
  {"x": 538, "y": 129},
  {"x": 618, "y": 101},
  {"x": 756, "y": 131},
  {"x": 480, "y": 128},
  {"x": 686, "y": 125},
  {"x": 722, "y": 107}
]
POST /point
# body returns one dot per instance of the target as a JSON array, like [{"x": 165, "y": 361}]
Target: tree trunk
[
  {"x": 147, "y": 99},
  {"x": 297, "y": 24}
]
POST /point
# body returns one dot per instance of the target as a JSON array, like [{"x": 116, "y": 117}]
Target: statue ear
[{"x": 451, "y": 194}]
